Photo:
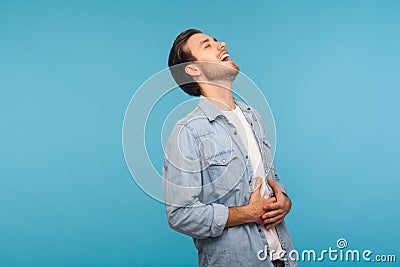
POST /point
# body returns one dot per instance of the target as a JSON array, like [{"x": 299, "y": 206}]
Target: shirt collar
[{"x": 211, "y": 111}]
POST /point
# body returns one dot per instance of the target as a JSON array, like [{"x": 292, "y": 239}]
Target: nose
[{"x": 221, "y": 45}]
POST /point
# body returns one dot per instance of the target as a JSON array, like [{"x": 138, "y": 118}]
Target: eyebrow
[{"x": 206, "y": 40}]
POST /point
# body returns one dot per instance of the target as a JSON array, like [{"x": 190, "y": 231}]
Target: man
[{"x": 219, "y": 180}]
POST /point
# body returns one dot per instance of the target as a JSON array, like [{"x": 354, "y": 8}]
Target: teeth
[{"x": 224, "y": 56}]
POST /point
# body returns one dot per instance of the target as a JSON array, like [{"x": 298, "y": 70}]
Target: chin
[
  {"x": 233, "y": 65},
  {"x": 236, "y": 67}
]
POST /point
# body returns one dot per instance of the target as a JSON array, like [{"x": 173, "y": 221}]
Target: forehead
[{"x": 196, "y": 39}]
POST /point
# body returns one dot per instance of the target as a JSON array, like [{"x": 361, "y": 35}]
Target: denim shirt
[{"x": 206, "y": 170}]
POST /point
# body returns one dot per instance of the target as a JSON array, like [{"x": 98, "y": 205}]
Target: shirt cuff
[{"x": 219, "y": 220}]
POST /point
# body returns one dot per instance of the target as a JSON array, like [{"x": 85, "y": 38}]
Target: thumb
[{"x": 274, "y": 187}]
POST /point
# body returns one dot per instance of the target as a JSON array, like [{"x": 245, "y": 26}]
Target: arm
[
  {"x": 239, "y": 215},
  {"x": 251, "y": 212},
  {"x": 182, "y": 185}
]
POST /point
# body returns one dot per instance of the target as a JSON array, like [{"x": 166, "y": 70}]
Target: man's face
[{"x": 207, "y": 48}]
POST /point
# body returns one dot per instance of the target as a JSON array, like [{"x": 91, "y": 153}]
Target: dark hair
[{"x": 180, "y": 54}]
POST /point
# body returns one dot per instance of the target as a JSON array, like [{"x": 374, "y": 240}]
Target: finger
[
  {"x": 274, "y": 187},
  {"x": 268, "y": 202},
  {"x": 277, "y": 205},
  {"x": 272, "y": 219},
  {"x": 269, "y": 226},
  {"x": 271, "y": 214}
]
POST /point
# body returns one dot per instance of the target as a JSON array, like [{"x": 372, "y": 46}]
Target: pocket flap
[{"x": 221, "y": 157}]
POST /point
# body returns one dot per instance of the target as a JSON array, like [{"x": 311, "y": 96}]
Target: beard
[{"x": 215, "y": 72}]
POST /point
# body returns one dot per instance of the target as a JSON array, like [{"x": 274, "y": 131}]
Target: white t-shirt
[{"x": 249, "y": 140}]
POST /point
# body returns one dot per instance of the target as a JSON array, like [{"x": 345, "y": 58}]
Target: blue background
[{"x": 329, "y": 69}]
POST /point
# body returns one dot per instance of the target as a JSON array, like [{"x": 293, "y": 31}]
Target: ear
[{"x": 192, "y": 70}]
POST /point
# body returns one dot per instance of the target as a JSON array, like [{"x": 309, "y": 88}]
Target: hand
[
  {"x": 276, "y": 212},
  {"x": 257, "y": 203}
]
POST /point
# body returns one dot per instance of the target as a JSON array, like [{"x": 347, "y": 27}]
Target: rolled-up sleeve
[
  {"x": 219, "y": 219},
  {"x": 182, "y": 185}
]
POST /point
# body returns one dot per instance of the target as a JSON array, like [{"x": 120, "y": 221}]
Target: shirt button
[
  {"x": 248, "y": 108},
  {"x": 251, "y": 124},
  {"x": 223, "y": 161},
  {"x": 235, "y": 132},
  {"x": 259, "y": 230},
  {"x": 247, "y": 157}
]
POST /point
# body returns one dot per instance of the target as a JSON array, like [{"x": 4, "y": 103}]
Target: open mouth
[{"x": 224, "y": 57}]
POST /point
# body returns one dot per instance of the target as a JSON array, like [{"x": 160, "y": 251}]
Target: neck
[{"x": 219, "y": 94}]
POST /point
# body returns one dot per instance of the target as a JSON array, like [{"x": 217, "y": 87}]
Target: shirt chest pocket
[{"x": 224, "y": 170}]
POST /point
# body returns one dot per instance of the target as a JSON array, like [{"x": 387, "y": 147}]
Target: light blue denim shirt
[{"x": 206, "y": 170}]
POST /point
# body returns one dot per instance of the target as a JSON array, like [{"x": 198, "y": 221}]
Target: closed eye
[{"x": 206, "y": 42}]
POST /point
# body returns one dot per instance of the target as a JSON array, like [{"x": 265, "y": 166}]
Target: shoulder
[{"x": 196, "y": 123}]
